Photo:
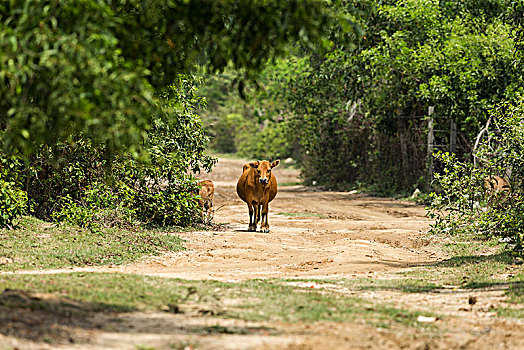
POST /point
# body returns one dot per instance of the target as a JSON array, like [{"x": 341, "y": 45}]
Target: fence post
[
  {"x": 431, "y": 143},
  {"x": 453, "y": 137}
]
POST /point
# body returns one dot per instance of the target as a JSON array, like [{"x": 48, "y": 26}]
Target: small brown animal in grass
[
  {"x": 257, "y": 186},
  {"x": 497, "y": 186},
  {"x": 206, "y": 192}
]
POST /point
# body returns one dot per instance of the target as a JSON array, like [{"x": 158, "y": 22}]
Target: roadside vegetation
[
  {"x": 361, "y": 110},
  {"x": 98, "y": 122},
  {"x": 346, "y": 87},
  {"x": 471, "y": 266},
  {"x": 37, "y": 244}
]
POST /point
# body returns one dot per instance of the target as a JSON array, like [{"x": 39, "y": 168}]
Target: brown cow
[
  {"x": 206, "y": 199},
  {"x": 257, "y": 186}
]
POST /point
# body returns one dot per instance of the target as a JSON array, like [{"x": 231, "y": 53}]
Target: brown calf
[
  {"x": 257, "y": 186},
  {"x": 497, "y": 186},
  {"x": 206, "y": 198}
]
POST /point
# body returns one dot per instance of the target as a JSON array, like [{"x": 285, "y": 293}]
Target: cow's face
[{"x": 263, "y": 170}]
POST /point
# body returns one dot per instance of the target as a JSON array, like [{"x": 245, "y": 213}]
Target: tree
[
  {"x": 355, "y": 106},
  {"x": 94, "y": 66}
]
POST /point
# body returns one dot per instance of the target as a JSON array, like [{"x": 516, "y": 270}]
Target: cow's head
[{"x": 263, "y": 170}]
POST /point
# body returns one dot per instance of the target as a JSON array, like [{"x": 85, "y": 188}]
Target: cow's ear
[
  {"x": 275, "y": 163},
  {"x": 254, "y": 165}
]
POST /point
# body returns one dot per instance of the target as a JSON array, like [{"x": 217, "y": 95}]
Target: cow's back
[
  {"x": 207, "y": 189},
  {"x": 248, "y": 174}
]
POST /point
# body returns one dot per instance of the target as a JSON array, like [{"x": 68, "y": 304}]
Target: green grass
[
  {"x": 404, "y": 285},
  {"x": 37, "y": 244},
  {"x": 254, "y": 300},
  {"x": 303, "y": 215},
  {"x": 474, "y": 264},
  {"x": 292, "y": 183},
  {"x": 515, "y": 295}
]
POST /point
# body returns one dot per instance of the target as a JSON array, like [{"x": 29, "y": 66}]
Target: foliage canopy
[
  {"x": 361, "y": 110},
  {"x": 94, "y": 66}
]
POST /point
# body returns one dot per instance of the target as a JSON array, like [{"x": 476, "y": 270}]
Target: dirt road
[{"x": 313, "y": 234}]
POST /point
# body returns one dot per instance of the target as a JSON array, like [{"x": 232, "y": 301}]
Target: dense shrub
[
  {"x": 13, "y": 199},
  {"x": 465, "y": 205},
  {"x": 76, "y": 183},
  {"x": 13, "y": 203},
  {"x": 98, "y": 206},
  {"x": 360, "y": 109},
  {"x": 253, "y": 126},
  {"x": 62, "y": 173},
  {"x": 83, "y": 81}
]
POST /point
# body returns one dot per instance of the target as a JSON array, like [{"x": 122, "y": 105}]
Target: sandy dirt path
[{"x": 313, "y": 234}]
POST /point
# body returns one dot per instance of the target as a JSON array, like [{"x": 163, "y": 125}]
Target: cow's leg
[
  {"x": 252, "y": 223},
  {"x": 259, "y": 213},
  {"x": 209, "y": 211},
  {"x": 256, "y": 218},
  {"x": 264, "y": 226}
]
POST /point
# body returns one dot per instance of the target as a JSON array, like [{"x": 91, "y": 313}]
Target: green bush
[
  {"x": 62, "y": 174},
  {"x": 13, "y": 203},
  {"x": 225, "y": 132},
  {"x": 99, "y": 206},
  {"x": 13, "y": 200},
  {"x": 159, "y": 193},
  {"x": 134, "y": 193},
  {"x": 464, "y": 205},
  {"x": 271, "y": 141},
  {"x": 76, "y": 183}
]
